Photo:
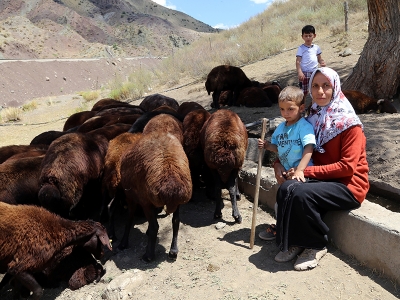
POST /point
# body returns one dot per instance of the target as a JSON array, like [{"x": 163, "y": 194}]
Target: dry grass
[
  {"x": 11, "y": 114},
  {"x": 269, "y": 33}
]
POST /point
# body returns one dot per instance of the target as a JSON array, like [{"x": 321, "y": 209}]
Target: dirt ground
[{"x": 218, "y": 263}]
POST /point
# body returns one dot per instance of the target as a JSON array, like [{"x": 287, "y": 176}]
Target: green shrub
[
  {"x": 90, "y": 95},
  {"x": 30, "y": 106}
]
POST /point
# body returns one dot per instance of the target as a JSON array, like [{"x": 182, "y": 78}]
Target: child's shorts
[{"x": 304, "y": 84}]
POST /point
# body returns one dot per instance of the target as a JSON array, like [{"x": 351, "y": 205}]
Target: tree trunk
[{"x": 377, "y": 72}]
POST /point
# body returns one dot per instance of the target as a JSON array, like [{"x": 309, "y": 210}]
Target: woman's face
[{"x": 321, "y": 89}]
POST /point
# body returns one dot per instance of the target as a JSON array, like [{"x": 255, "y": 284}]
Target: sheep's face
[
  {"x": 385, "y": 105},
  {"x": 95, "y": 244}
]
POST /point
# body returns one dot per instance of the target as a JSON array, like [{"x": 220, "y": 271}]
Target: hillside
[{"x": 93, "y": 28}]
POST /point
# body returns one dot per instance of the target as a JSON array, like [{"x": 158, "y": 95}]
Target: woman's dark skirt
[{"x": 301, "y": 208}]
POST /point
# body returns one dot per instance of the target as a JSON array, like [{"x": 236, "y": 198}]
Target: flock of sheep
[{"x": 148, "y": 156}]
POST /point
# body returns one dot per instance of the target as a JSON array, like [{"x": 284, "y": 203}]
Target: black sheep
[{"x": 223, "y": 78}]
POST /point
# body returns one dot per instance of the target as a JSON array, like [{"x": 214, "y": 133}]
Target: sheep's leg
[
  {"x": 31, "y": 284},
  {"x": 237, "y": 192},
  {"x": 111, "y": 216},
  {"x": 215, "y": 97},
  {"x": 131, "y": 214},
  {"x": 217, "y": 195},
  {"x": 208, "y": 178},
  {"x": 152, "y": 231},
  {"x": 173, "y": 252},
  {"x": 233, "y": 99},
  {"x": 232, "y": 193}
]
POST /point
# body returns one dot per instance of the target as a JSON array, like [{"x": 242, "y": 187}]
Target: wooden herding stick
[{"x": 255, "y": 202}]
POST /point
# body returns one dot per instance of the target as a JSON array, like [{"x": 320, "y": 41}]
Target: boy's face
[
  {"x": 308, "y": 38},
  {"x": 290, "y": 111}
]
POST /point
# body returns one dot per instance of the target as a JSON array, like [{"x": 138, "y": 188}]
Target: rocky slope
[{"x": 93, "y": 28}]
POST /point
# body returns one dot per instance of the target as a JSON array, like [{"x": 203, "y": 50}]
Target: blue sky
[{"x": 218, "y": 13}]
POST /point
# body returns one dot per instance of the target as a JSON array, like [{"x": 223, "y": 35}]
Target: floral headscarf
[{"x": 330, "y": 120}]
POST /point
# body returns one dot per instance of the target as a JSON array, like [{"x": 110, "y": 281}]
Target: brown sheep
[
  {"x": 169, "y": 124},
  {"x": 224, "y": 140},
  {"x": 112, "y": 175},
  {"x": 127, "y": 119},
  {"x": 121, "y": 111},
  {"x": 151, "y": 102},
  {"x": 111, "y": 131},
  {"x": 47, "y": 137},
  {"x": 78, "y": 119},
  {"x": 192, "y": 125},
  {"x": 363, "y": 104},
  {"x": 155, "y": 173},
  {"x": 141, "y": 122},
  {"x": 187, "y": 107},
  {"x": 10, "y": 150},
  {"x": 272, "y": 89},
  {"x": 105, "y": 102},
  {"x": 73, "y": 265},
  {"x": 223, "y": 78},
  {"x": 253, "y": 97},
  {"x": 100, "y": 121},
  {"x": 19, "y": 180},
  {"x": 32, "y": 237},
  {"x": 70, "y": 164}
]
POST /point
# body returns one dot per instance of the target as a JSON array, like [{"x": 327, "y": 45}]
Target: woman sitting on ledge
[{"x": 337, "y": 181}]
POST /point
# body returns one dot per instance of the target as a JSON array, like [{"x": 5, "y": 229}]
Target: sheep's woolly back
[
  {"x": 165, "y": 123},
  {"x": 151, "y": 102},
  {"x": 77, "y": 119},
  {"x": 10, "y": 150},
  {"x": 224, "y": 140},
  {"x": 112, "y": 164},
  {"x": 155, "y": 171},
  {"x": 187, "y": 107},
  {"x": 19, "y": 180},
  {"x": 70, "y": 162},
  {"x": 192, "y": 125}
]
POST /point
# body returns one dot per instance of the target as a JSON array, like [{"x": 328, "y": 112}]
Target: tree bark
[{"x": 377, "y": 72}]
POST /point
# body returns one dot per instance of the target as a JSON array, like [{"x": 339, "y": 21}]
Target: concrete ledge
[{"x": 371, "y": 233}]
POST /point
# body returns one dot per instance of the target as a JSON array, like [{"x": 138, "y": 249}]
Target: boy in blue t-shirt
[
  {"x": 308, "y": 57},
  {"x": 294, "y": 140}
]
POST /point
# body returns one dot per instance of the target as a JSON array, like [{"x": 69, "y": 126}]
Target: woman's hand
[
  {"x": 261, "y": 144},
  {"x": 280, "y": 173}
]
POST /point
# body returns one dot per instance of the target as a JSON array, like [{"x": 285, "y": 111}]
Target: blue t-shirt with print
[{"x": 291, "y": 140}]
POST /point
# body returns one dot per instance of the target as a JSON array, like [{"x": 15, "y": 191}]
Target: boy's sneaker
[
  {"x": 269, "y": 234},
  {"x": 288, "y": 255},
  {"x": 309, "y": 259}
]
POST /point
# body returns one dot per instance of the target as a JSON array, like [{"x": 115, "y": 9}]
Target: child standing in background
[{"x": 308, "y": 57}]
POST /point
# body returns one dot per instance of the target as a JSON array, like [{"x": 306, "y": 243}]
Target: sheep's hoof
[
  {"x": 238, "y": 219},
  {"x": 172, "y": 255}
]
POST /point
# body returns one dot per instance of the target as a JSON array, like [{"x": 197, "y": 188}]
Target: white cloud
[
  {"x": 262, "y": 1},
  {"x": 222, "y": 26},
  {"x": 164, "y": 3}
]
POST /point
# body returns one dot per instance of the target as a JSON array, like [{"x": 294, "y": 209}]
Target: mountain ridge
[{"x": 93, "y": 28}]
